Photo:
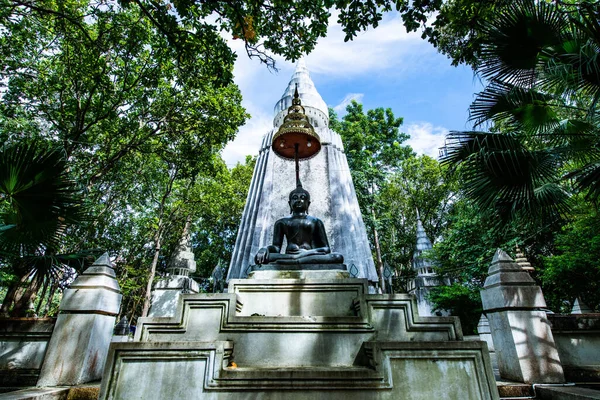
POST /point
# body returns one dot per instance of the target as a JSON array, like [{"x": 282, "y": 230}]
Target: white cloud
[
  {"x": 385, "y": 47},
  {"x": 340, "y": 109},
  {"x": 248, "y": 139},
  {"x": 260, "y": 90},
  {"x": 426, "y": 138}
]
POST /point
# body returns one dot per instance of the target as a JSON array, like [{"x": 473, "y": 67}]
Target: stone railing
[{"x": 577, "y": 338}]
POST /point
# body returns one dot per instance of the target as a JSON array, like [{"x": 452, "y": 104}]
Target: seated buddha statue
[{"x": 306, "y": 238}]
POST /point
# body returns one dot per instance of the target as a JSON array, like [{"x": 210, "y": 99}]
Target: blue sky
[{"x": 383, "y": 67}]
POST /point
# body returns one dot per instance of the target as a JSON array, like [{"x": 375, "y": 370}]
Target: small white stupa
[{"x": 426, "y": 278}]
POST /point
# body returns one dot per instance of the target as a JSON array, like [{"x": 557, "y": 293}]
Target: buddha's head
[{"x": 299, "y": 200}]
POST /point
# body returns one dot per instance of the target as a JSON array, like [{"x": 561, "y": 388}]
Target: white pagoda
[{"x": 326, "y": 176}]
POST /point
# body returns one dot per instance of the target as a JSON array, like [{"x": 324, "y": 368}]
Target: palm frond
[
  {"x": 550, "y": 203},
  {"x": 513, "y": 43},
  {"x": 500, "y": 174},
  {"x": 587, "y": 179},
  {"x": 39, "y": 199},
  {"x": 520, "y": 108},
  {"x": 588, "y": 20},
  {"x": 574, "y": 69}
]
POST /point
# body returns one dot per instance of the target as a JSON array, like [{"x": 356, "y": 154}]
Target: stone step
[
  {"x": 566, "y": 393},
  {"x": 331, "y": 377},
  {"x": 508, "y": 390},
  {"x": 56, "y": 393}
]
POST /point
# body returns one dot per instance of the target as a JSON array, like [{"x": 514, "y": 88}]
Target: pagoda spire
[
  {"x": 423, "y": 242},
  {"x": 426, "y": 278},
  {"x": 310, "y": 97}
]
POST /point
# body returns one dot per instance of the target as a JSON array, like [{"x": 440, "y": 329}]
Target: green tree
[
  {"x": 463, "y": 255},
  {"x": 465, "y": 251},
  {"x": 282, "y": 28},
  {"x": 573, "y": 268},
  {"x": 458, "y": 28},
  {"x": 373, "y": 147},
  {"x": 266, "y": 28},
  {"x": 103, "y": 82},
  {"x": 220, "y": 203},
  {"x": 74, "y": 79},
  {"x": 212, "y": 201},
  {"x": 419, "y": 184},
  {"x": 460, "y": 300}
]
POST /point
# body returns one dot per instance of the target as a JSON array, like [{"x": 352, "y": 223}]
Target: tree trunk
[
  {"x": 11, "y": 295},
  {"x": 132, "y": 312},
  {"x": 378, "y": 254},
  {"x": 22, "y": 305},
  {"x": 157, "y": 244},
  {"x": 42, "y": 296},
  {"x": 148, "y": 295}
]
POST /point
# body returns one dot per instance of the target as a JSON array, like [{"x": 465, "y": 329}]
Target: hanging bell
[{"x": 296, "y": 129}]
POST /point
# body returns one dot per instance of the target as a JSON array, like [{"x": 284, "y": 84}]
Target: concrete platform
[{"x": 316, "y": 339}]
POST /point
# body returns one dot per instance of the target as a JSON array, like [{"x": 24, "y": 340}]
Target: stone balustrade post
[
  {"x": 524, "y": 344},
  {"x": 79, "y": 345}
]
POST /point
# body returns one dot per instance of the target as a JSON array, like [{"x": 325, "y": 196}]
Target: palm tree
[
  {"x": 38, "y": 202},
  {"x": 542, "y": 63}
]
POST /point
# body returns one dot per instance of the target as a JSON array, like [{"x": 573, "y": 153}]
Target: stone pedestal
[
  {"x": 77, "y": 350},
  {"x": 298, "y": 339},
  {"x": 299, "y": 271},
  {"x": 166, "y": 292},
  {"x": 577, "y": 339},
  {"x": 521, "y": 333},
  {"x": 425, "y": 279}
]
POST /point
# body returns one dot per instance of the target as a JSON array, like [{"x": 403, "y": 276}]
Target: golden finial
[{"x": 296, "y": 130}]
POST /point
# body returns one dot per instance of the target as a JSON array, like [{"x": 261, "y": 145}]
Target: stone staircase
[{"x": 298, "y": 338}]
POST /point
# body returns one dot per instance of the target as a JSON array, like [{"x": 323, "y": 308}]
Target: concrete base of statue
[
  {"x": 297, "y": 267},
  {"x": 324, "y": 274},
  {"x": 298, "y": 339}
]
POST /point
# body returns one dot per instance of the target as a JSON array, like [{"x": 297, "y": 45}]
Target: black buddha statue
[{"x": 306, "y": 238}]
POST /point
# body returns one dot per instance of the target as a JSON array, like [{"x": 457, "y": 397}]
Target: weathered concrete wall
[
  {"x": 23, "y": 343},
  {"x": 577, "y": 338},
  {"x": 411, "y": 371},
  {"x": 166, "y": 294}
]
